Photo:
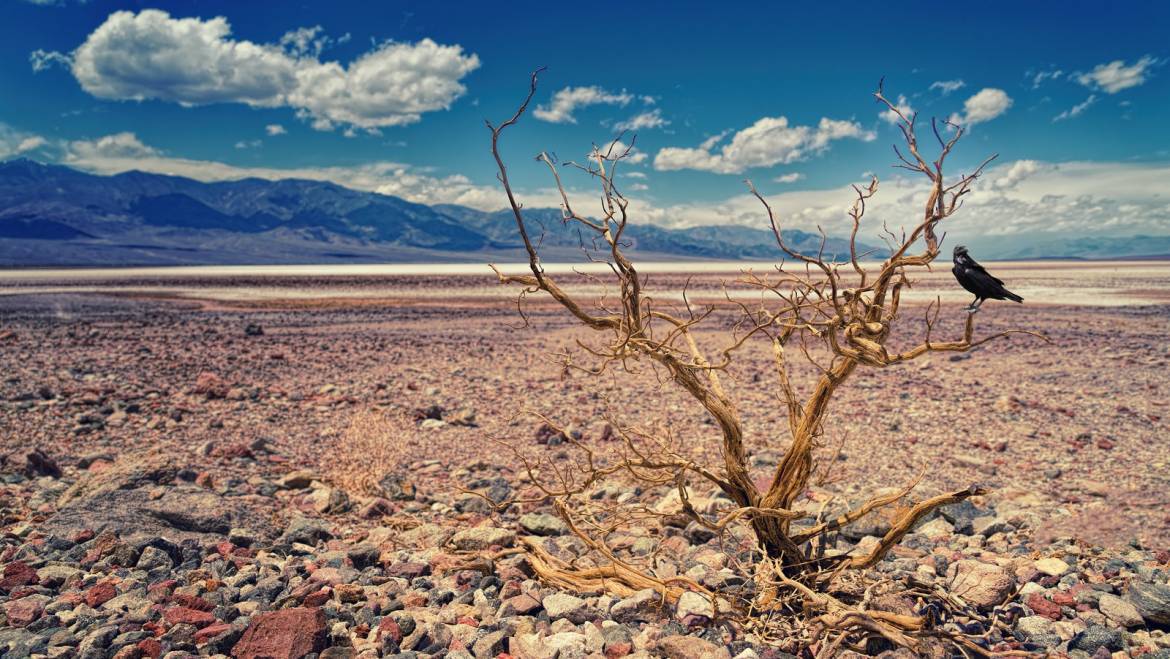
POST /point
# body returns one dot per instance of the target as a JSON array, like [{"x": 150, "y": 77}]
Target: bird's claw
[{"x": 972, "y": 309}]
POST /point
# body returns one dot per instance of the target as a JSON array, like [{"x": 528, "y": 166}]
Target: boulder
[{"x": 284, "y": 634}]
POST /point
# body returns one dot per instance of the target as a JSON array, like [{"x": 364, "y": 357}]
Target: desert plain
[{"x": 318, "y": 431}]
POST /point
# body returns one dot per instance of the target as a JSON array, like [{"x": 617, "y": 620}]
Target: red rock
[
  {"x": 129, "y": 652},
  {"x": 1063, "y": 598},
  {"x": 388, "y": 627},
  {"x": 84, "y": 535},
  {"x": 24, "y": 612},
  {"x": 192, "y": 602},
  {"x": 177, "y": 615},
  {"x": 409, "y": 570},
  {"x": 467, "y": 620},
  {"x": 413, "y": 600},
  {"x": 1043, "y": 606},
  {"x": 1105, "y": 444},
  {"x": 18, "y": 573},
  {"x": 615, "y": 650},
  {"x": 211, "y": 385},
  {"x": 203, "y": 479},
  {"x": 319, "y": 597},
  {"x": 211, "y": 631},
  {"x": 100, "y": 593},
  {"x": 150, "y": 648},
  {"x": 284, "y": 634}
]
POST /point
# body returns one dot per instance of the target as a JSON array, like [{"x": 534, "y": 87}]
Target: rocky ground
[{"x": 284, "y": 479}]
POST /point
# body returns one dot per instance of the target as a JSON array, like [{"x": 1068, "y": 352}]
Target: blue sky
[{"x": 391, "y": 96}]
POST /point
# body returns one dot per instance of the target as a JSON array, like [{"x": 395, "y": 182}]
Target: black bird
[{"x": 978, "y": 281}]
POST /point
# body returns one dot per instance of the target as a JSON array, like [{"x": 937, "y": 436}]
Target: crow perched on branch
[{"x": 978, "y": 281}]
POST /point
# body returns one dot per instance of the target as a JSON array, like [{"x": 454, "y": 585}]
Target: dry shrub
[
  {"x": 837, "y": 315},
  {"x": 369, "y": 449}
]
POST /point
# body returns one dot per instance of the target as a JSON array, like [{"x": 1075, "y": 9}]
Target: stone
[
  {"x": 284, "y": 634},
  {"x": 25, "y": 611},
  {"x": 210, "y": 385},
  {"x": 1043, "y": 606},
  {"x": 543, "y": 524},
  {"x": 100, "y": 593},
  {"x": 690, "y": 647},
  {"x": 694, "y": 604},
  {"x": 1124, "y": 613},
  {"x": 1035, "y": 628},
  {"x": 296, "y": 480},
  {"x": 982, "y": 584},
  {"x": 305, "y": 531},
  {"x": 1053, "y": 567},
  {"x": 153, "y": 557},
  {"x": 1152, "y": 600},
  {"x": 182, "y": 615},
  {"x": 566, "y": 645},
  {"x": 490, "y": 645},
  {"x": 643, "y": 606},
  {"x": 478, "y": 539},
  {"x": 1096, "y": 637},
  {"x": 16, "y": 574},
  {"x": 563, "y": 605},
  {"x": 989, "y": 525}
]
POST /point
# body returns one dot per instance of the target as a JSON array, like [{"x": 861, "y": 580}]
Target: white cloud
[
  {"x": 1016, "y": 172},
  {"x": 190, "y": 61},
  {"x": 639, "y": 175},
  {"x": 639, "y": 187},
  {"x": 903, "y": 105},
  {"x": 122, "y": 152},
  {"x": 767, "y": 142},
  {"x": 1018, "y": 198},
  {"x": 1076, "y": 110},
  {"x": 309, "y": 41},
  {"x": 1035, "y": 198},
  {"x": 643, "y": 121},
  {"x": 569, "y": 99},
  {"x": 249, "y": 144},
  {"x": 616, "y": 149},
  {"x": 1116, "y": 76},
  {"x": 1039, "y": 77},
  {"x": 14, "y": 142},
  {"x": 986, "y": 105},
  {"x": 791, "y": 177},
  {"x": 42, "y": 60},
  {"x": 947, "y": 86},
  {"x": 274, "y": 130}
]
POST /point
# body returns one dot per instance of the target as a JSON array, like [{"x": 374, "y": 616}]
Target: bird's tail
[{"x": 1013, "y": 297}]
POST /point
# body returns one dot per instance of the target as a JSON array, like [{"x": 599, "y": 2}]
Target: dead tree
[{"x": 844, "y": 309}]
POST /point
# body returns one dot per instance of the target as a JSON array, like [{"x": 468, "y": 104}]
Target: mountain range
[{"x": 52, "y": 215}]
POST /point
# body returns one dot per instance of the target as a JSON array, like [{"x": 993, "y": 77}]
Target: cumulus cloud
[
  {"x": 903, "y": 105},
  {"x": 986, "y": 105},
  {"x": 947, "y": 86},
  {"x": 274, "y": 130},
  {"x": 769, "y": 141},
  {"x": 1014, "y": 199},
  {"x": 191, "y": 61},
  {"x": 1015, "y": 173},
  {"x": 643, "y": 121},
  {"x": 1116, "y": 76},
  {"x": 1076, "y": 110},
  {"x": 14, "y": 142},
  {"x": 566, "y": 101},
  {"x": 791, "y": 177}
]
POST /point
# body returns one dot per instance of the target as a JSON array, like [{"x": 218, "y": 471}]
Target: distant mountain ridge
[
  {"x": 55, "y": 215},
  {"x": 52, "y": 215}
]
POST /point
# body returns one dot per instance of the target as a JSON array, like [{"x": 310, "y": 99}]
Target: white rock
[
  {"x": 692, "y": 603},
  {"x": 1053, "y": 567}
]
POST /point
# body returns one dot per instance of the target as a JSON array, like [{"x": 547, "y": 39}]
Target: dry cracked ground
[{"x": 277, "y": 467}]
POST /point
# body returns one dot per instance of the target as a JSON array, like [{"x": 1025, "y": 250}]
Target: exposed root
[{"x": 616, "y": 578}]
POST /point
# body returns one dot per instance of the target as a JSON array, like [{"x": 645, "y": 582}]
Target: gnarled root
[{"x": 616, "y": 578}]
